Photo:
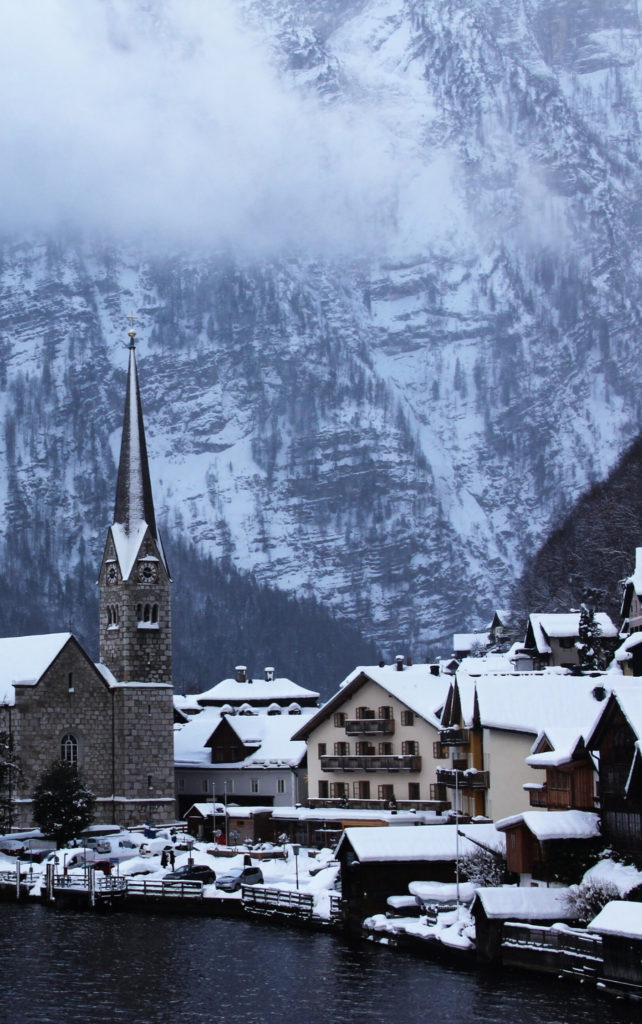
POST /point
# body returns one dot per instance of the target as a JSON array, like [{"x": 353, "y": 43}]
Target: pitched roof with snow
[
  {"x": 549, "y": 825},
  {"x": 620, "y": 917},
  {"x": 24, "y": 659},
  {"x": 567, "y": 624},
  {"x": 530, "y": 701},
  {"x": 519, "y": 903},
  {"x": 424, "y": 842},
  {"x": 415, "y": 686},
  {"x": 271, "y": 735}
]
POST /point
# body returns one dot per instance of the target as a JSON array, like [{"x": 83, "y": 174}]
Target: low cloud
[{"x": 166, "y": 122}]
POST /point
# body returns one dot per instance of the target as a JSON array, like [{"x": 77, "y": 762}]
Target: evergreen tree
[
  {"x": 590, "y": 641},
  {"x": 62, "y": 804}
]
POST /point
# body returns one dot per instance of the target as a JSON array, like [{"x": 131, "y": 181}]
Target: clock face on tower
[
  {"x": 147, "y": 572},
  {"x": 112, "y": 574}
]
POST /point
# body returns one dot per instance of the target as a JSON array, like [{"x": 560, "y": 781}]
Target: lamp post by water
[
  {"x": 295, "y": 850},
  {"x": 457, "y": 834}
]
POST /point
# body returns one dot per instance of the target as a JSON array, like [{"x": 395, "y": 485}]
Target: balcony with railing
[
  {"x": 468, "y": 779},
  {"x": 454, "y": 737},
  {"x": 371, "y": 763},
  {"x": 370, "y": 726}
]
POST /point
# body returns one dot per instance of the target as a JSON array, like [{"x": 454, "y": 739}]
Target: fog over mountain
[{"x": 385, "y": 256}]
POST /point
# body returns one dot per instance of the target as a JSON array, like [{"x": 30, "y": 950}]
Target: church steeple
[
  {"x": 135, "y": 619},
  {"x": 134, "y": 503}
]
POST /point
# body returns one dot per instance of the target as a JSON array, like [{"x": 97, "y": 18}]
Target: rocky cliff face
[{"x": 389, "y": 431}]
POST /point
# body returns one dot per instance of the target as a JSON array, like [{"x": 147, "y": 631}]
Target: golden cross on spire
[{"x": 131, "y": 332}]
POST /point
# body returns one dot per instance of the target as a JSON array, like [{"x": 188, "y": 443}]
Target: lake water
[{"x": 65, "y": 967}]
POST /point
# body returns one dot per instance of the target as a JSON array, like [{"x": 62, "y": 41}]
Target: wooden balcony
[
  {"x": 454, "y": 737},
  {"x": 371, "y": 763},
  {"x": 469, "y": 779},
  {"x": 370, "y": 726}
]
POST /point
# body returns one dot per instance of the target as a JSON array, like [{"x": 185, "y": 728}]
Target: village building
[
  {"x": 490, "y": 721},
  {"x": 541, "y": 846},
  {"x": 616, "y": 740},
  {"x": 493, "y": 907},
  {"x": 248, "y": 759},
  {"x": 112, "y": 719},
  {"x": 619, "y": 924},
  {"x": 376, "y": 741},
  {"x": 552, "y": 639},
  {"x": 377, "y": 863}
]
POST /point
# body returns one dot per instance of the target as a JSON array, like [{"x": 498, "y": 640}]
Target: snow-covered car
[
  {"x": 191, "y": 873},
  {"x": 233, "y": 879}
]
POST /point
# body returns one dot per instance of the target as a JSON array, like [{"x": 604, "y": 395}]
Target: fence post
[
  {"x": 51, "y": 867},
  {"x": 17, "y": 878},
  {"x": 92, "y": 886}
]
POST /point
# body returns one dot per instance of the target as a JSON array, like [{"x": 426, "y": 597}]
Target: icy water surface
[{"x": 63, "y": 968}]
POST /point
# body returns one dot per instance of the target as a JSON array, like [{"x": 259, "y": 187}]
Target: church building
[{"x": 114, "y": 719}]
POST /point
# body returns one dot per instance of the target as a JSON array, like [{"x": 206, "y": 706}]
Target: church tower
[{"x": 134, "y": 581}]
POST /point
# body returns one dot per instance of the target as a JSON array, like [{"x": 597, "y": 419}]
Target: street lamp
[
  {"x": 295, "y": 850},
  {"x": 457, "y": 834}
]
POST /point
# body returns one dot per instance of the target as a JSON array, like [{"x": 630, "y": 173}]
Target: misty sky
[{"x": 171, "y": 125}]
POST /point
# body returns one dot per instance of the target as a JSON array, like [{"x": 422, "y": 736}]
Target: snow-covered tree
[
  {"x": 586, "y": 900},
  {"x": 589, "y": 646},
  {"x": 62, "y": 804},
  {"x": 483, "y": 867}
]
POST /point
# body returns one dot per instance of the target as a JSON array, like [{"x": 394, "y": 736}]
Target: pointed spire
[{"x": 134, "y": 504}]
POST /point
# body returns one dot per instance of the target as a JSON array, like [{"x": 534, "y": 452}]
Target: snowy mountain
[{"x": 391, "y": 390}]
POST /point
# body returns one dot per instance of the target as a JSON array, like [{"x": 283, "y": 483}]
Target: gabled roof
[
  {"x": 628, "y": 697},
  {"x": 422, "y": 842},
  {"x": 526, "y": 904},
  {"x": 549, "y": 825},
  {"x": 24, "y": 660},
  {"x": 414, "y": 686},
  {"x": 543, "y": 626},
  {"x": 271, "y": 736},
  {"x": 620, "y": 917},
  {"x": 530, "y": 701},
  {"x": 555, "y": 747}
]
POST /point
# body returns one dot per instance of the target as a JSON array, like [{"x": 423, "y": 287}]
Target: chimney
[
  {"x": 241, "y": 676},
  {"x": 399, "y": 660},
  {"x": 408, "y": 661},
  {"x": 269, "y": 674}
]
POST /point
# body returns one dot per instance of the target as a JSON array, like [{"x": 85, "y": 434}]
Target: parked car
[
  {"x": 191, "y": 873},
  {"x": 233, "y": 879}
]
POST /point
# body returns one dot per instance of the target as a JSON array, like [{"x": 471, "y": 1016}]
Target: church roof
[
  {"x": 134, "y": 506},
  {"x": 24, "y": 659}
]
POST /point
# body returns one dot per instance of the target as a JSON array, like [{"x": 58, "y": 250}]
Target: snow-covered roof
[
  {"x": 232, "y": 692},
  {"x": 233, "y": 810},
  {"x": 520, "y": 903},
  {"x": 620, "y": 917},
  {"x": 565, "y": 624},
  {"x": 341, "y": 814},
  {"x": 531, "y": 701},
  {"x": 24, "y": 659},
  {"x": 423, "y": 843},
  {"x": 190, "y": 739},
  {"x": 186, "y": 702},
  {"x": 442, "y": 892},
  {"x": 623, "y": 652},
  {"x": 271, "y": 735},
  {"x": 564, "y": 743},
  {"x": 415, "y": 686},
  {"x": 548, "y": 825}
]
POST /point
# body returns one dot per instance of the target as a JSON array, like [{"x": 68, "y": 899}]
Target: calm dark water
[{"x": 62, "y": 968}]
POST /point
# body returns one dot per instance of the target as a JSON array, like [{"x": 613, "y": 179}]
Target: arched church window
[
  {"x": 139, "y": 612},
  {"x": 69, "y": 749},
  {"x": 154, "y": 613},
  {"x": 109, "y": 618},
  {"x": 147, "y": 615}
]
